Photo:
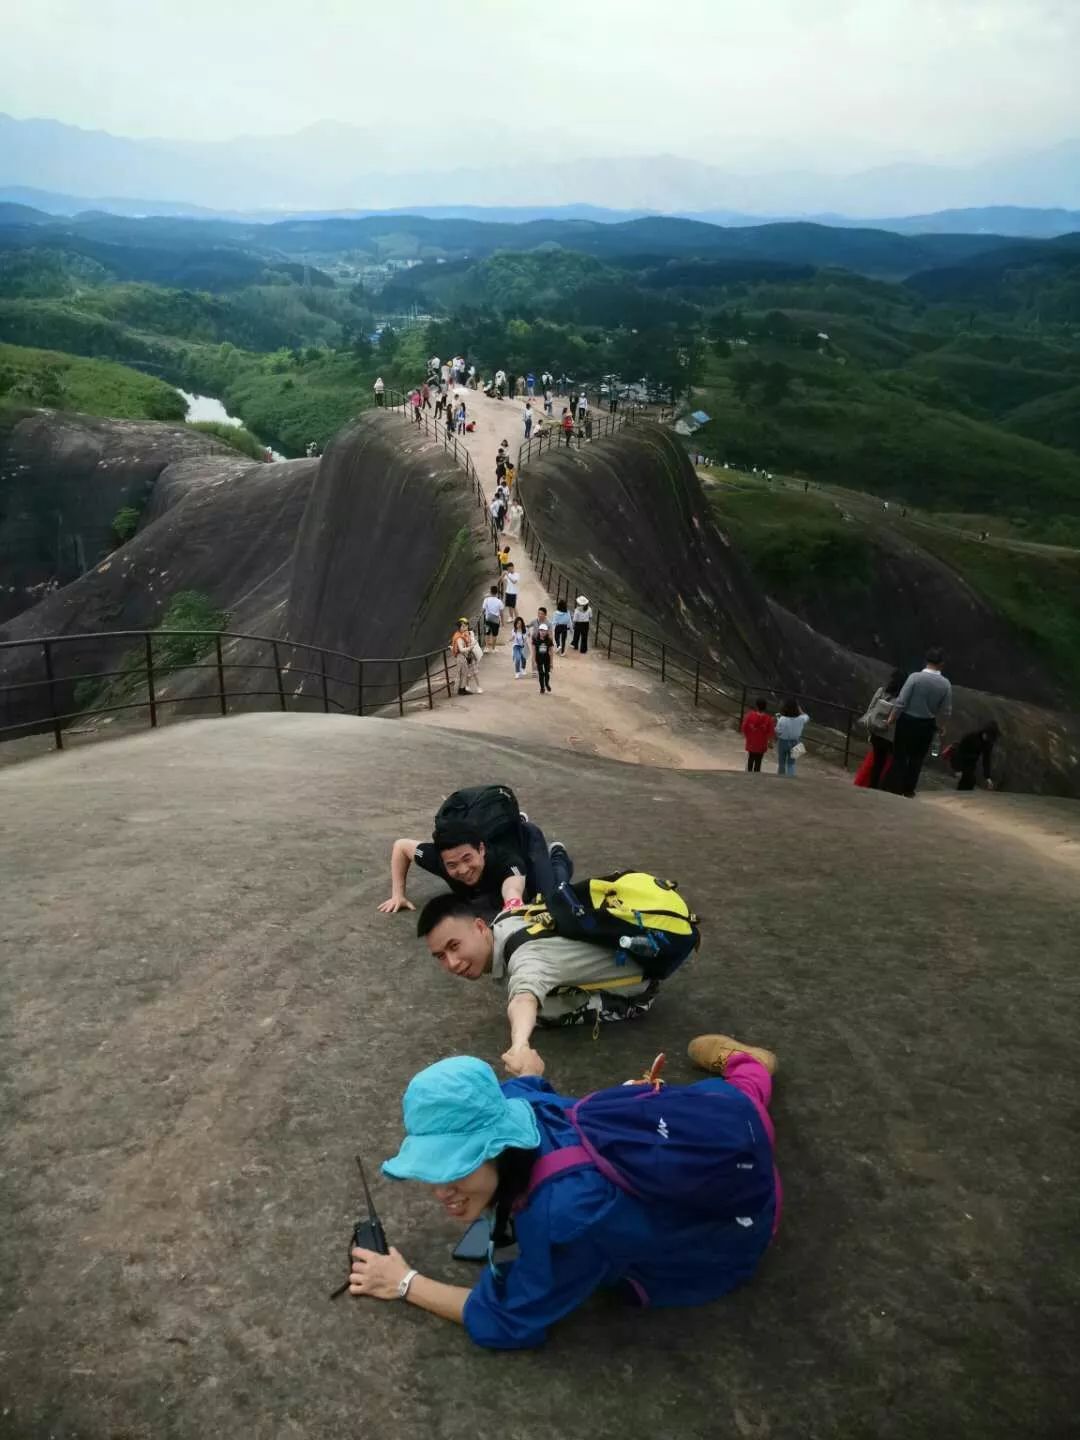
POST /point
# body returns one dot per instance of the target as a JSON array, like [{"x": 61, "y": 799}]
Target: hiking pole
[{"x": 368, "y": 1234}]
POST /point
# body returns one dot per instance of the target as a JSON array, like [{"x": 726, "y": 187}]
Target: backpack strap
[
  {"x": 570, "y": 1157},
  {"x": 527, "y": 934}
]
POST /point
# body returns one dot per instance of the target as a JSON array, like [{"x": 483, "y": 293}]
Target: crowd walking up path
[{"x": 595, "y": 708}]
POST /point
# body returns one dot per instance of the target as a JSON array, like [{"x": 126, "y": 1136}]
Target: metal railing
[
  {"x": 443, "y": 434},
  {"x": 594, "y": 426},
  {"x": 710, "y": 684},
  {"x": 348, "y": 684}
]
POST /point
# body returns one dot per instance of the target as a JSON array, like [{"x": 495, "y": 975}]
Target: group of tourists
[
  {"x": 905, "y": 721},
  {"x": 533, "y": 643},
  {"x": 666, "y": 1195},
  {"x": 761, "y": 730}
]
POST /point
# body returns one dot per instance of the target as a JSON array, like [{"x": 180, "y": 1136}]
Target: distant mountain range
[
  {"x": 24, "y": 204},
  {"x": 329, "y": 166}
]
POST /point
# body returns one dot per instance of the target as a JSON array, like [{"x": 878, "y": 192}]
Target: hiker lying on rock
[
  {"x": 486, "y": 849},
  {"x": 550, "y": 981},
  {"x": 673, "y": 1202},
  {"x": 492, "y": 875}
]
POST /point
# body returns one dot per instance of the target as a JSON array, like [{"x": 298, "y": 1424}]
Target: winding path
[{"x": 595, "y": 708}]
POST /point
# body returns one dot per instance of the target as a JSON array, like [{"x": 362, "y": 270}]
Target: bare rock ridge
[
  {"x": 628, "y": 518},
  {"x": 306, "y": 550},
  {"x": 391, "y": 547},
  {"x": 63, "y": 478}
]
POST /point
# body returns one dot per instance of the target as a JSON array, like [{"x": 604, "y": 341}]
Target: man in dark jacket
[{"x": 965, "y": 755}]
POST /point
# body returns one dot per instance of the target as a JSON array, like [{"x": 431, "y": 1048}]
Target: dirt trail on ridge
[{"x": 595, "y": 708}]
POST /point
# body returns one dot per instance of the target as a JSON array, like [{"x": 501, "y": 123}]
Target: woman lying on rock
[{"x": 666, "y": 1193}]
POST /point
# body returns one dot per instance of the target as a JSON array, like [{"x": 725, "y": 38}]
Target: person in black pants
[
  {"x": 582, "y": 619},
  {"x": 910, "y": 747},
  {"x": 967, "y": 752},
  {"x": 542, "y": 647},
  {"x": 924, "y": 704}
]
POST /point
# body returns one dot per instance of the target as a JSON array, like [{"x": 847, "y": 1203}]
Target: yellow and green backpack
[{"x": 637, "y": 914}]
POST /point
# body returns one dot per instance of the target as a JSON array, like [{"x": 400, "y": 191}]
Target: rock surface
[
  {"x": 305, "y": 551},
  {"x": 627, "y": 519},
  {"x": 206, "y": 1018},
  {"x": 63, "y": 477}
]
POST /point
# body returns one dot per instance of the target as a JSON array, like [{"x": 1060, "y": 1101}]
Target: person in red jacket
[{"x": 758, "y": 727}]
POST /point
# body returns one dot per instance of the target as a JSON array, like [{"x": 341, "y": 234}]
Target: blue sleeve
[
  {"x": 540, "y": 1287},
  {"x": 527, "y": 1087},
  {"x": 559, "y": 1265}
]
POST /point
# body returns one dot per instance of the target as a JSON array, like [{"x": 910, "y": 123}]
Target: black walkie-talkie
[{"x": 368, "y": 1234}]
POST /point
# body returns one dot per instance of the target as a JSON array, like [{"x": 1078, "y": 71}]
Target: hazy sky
[{"x": 828, "y": 83}]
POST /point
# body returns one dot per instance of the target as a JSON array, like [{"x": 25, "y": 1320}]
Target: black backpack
[{"x": 490, "y": 812}]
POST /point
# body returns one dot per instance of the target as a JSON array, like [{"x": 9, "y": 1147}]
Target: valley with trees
[{"x": 938, "y": 371}]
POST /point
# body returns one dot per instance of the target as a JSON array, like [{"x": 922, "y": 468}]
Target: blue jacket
[{"x": 579, "y": 1232}]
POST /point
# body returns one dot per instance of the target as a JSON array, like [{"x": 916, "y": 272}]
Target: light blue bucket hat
[{"x": 456, "y": 1117}]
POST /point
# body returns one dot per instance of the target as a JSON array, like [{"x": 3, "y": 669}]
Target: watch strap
[{"x": 404, "y": 1283}]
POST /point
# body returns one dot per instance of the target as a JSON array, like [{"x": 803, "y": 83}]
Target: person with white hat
[{"x": 582, "y": 621}]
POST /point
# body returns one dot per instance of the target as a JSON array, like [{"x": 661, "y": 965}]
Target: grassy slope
[
  {"x": 885, "y": 431},
  {"x": 793, "y": 540},
  {"x": 286, "y": 398},
  {"x": 95, "y": 387}
]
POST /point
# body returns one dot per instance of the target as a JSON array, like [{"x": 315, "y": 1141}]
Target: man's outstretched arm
[
  {"x": 521, "y": 1058},
  {"x": 401, "y": 857}
]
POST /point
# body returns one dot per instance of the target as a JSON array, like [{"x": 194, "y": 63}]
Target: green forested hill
[
  {"x": 955, "y": 389},
  {"x": 94, "y": 387}
]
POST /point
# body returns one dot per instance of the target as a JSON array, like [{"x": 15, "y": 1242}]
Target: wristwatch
[{"x": 405, "y": 1282}]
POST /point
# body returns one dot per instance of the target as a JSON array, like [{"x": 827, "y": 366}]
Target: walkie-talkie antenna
[
  {"x": 368, "y": 1234},
  {"x": 367, "y": 1193}
]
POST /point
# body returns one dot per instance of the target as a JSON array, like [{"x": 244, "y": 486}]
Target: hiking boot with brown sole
[{"x": 712, "y": 1052}]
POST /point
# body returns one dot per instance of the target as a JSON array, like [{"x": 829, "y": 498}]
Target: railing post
[
  {"x": 400, "y": 691},
  {"x": 221, "y": 676},
  {"x": 631, "y": 649},
  {"x": 697, "y": 680},
  {"x": 427, "y": 677},
  {"x": 446, "y": 672},
  {"x": 360, "y": 687},
  {"x": 663, "y": 664},
  {"x": 280, "y": 678},
  {"x": 610, "y": 637},
  {"x": 847, "y": 739},
  {"x": 325, "y": 692},
  {"x": 58, "y": 734},
  {"x": 150, "y": 680},
  {"x": 742, "y": 704}
]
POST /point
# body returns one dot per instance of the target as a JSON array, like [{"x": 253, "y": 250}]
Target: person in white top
[
  {"x": 493, "y": 609},
  {"x": 511, "y": 581},
  {"x": 790, "y": 724},
  {"x": 582, "y": 618}
]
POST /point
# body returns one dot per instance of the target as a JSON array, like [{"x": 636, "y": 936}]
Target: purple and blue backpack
[{"x": 700, "y": 1149}]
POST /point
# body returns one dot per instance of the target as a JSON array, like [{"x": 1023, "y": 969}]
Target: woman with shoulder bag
[
  {"x": 877, "y": 727},
  {"x": 790, "y": 724}
]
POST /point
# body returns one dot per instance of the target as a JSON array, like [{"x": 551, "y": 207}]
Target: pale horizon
[{"x": 835, "y": 88}]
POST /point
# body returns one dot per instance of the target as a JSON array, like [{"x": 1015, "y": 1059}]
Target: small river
[{"x": 208, "y": 407}]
